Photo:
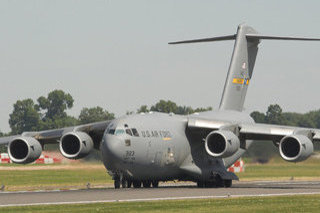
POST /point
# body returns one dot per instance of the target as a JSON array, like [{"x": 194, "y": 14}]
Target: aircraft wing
[
  {"x": 95, "y": 130},
  {"x": 275, "y": 132},
  {"x": 254, "y": 131}
]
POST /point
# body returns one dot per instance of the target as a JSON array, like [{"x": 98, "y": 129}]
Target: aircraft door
[{"x": 154, "y": 153}]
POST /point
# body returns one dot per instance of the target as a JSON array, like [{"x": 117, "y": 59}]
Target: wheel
[
  {"x": 146, "y": 183},
  {"x": 209, "y": 184},
  {"x": 200, "y": 184},
  {"x": 116, "y": 184},
  {"x": 129, "y": 183},
  {"x": 136, "y": 184},
  {"x": 124, "y": 183},
  {"x": 219, "y": 181},
  {"x": 155, "y": 183},
  {"x": 227, "y": 183}
]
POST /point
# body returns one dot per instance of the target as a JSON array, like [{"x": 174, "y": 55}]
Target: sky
[{"x": 115, "y": 53}]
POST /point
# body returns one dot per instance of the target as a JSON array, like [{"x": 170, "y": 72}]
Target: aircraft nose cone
[{"x": 112, "y": 145}]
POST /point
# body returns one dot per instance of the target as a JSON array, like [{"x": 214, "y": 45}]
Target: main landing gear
[
  {"x": 126, "y": 183},
  {"x": 215, "y": 184}
]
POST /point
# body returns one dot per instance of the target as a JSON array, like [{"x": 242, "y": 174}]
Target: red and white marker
[
  {"x": 44, "y": 159},
  {"x": 238, "y": 166}
]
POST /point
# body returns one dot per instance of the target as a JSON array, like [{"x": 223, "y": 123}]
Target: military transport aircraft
[{"x": 145, "y": 148}]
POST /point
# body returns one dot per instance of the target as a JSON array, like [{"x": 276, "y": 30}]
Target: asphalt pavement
[{"x": 164, "y": 192}]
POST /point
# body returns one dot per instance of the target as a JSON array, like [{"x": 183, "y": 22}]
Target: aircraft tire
[
  {"x": 227, "y": 183},
  {"x": 200, "y": 184},
  {"x": 124, "y": 183},
  {"x": 155, "y": 183},
  {"x": 116, "y": 184},
  {"x": 136, "y": 184},
  {"x": 219, "y": 182},
  {"x": 146, "y": 183},
  {"x": 209, "y": 184},
  {"x": 129, "y": 183}
]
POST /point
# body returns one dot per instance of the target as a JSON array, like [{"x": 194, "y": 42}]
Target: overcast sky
[{"x": 114, "y": 54}]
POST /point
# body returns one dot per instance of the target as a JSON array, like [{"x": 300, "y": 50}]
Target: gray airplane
[{"x": 143, "y": 149}]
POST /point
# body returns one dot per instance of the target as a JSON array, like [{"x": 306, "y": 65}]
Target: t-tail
[{"x": 242, "y": 63}]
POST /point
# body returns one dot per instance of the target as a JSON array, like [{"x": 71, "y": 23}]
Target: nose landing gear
[
  {"x": 126, "y": 183},
  {"x": 122, "y": 181},
  {"x": 117, "y": 183}
]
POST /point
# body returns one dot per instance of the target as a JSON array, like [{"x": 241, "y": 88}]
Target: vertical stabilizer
[
  {"x": 242, "y": 62},
  {"x": 240, "y": 69}
]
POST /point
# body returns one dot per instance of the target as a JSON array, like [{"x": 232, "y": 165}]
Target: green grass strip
[{"x": 305, "y": 203}]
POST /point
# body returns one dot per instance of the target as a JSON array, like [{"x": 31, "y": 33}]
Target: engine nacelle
[
  {"x": 222, "y": 143},
  {"x": 75, "y": 145},
  {"x": 23, "y": 150},
  {"x": 295, "y": 148}
]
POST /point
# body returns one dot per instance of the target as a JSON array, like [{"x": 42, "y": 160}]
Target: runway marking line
[{"x": 160, "y": 199}]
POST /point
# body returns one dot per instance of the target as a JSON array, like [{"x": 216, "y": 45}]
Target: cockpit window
[
  {"x": 128, "y": 131},
  {"x": 135, "y": 132},
  {"x": 119, "y": 132},
  {"x": 111, "y": 131}
]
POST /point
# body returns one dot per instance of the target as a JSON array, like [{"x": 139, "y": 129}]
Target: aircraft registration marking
[
  {"x": 129, "y": 156},
  {"x": 244, "y": 81}
]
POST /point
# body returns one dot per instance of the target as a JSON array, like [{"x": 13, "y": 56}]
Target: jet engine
[
  {"x": 222, "y": 143},
  {"x": 75, "y": 145},
  {"x": 295, "y": 148},
  {"x": 23, "y": 150}
]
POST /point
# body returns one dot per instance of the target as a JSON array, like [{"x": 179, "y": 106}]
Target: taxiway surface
[{"x": 164, "y": 192}]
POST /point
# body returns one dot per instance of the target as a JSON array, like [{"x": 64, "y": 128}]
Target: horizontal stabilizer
[
  {"x": 258, "y": 36},
  {"x": 220, "y": 38},
  {"x": 248, "y": 36}
]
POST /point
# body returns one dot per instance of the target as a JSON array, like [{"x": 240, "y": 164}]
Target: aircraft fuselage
[{"x": 158, "y": 146}]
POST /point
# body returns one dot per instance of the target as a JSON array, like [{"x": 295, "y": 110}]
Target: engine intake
[
  {"x": 222, "y": 143},
  {"x": 295, "y": 148},
  {"x": 75, "y": 145},
  {"x": 23, "y": 150}
]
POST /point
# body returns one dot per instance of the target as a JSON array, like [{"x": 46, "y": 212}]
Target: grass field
[
  {"x": 53, "y": 177},
  {"x": 307, "y": 203},
  {"x": 282, "y": 170},
  {"x": 34, "y": 177}
]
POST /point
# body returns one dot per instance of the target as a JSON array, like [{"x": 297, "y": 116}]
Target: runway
[{"x": 164, "y": 192}]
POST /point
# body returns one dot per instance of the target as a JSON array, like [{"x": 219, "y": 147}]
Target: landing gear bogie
[
  {"x": 214, "y": 184},
  {"x": 125, "y": 182}
]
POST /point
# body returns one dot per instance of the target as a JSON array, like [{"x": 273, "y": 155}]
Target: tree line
[
  {"x": 50, "y": 112},
  {"x": 275, "y": 115}
]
